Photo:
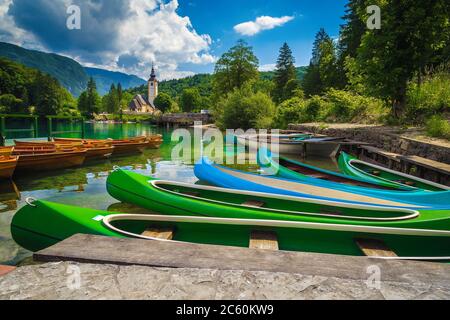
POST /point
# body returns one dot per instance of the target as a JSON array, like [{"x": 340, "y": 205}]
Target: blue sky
[
  {"x": 219, "y": 19},
  {"x": 182, "y": 37}
]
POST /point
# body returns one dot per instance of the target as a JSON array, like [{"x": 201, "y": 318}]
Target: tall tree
[
  {"x": 323, "y": 47},
  {"x": 350, "y": 36},
  {"x": 284, "y": 73},
  {"x": 190, "y": 100},
  {"x": 89, "y": 101},
  {"x": 163, "y": 102},
  {"x": 413, "y": 35},
  {"x": 235, "y": 68}
]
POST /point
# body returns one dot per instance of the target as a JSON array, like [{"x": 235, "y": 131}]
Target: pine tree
[
  {"x": 313, "y": 82},
  {"x": 284, "y": 73}
]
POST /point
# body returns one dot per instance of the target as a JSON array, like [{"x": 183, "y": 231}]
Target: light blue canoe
[{"x": 221, "y": 176}]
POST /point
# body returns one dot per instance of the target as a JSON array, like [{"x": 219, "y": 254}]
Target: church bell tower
[{"x": 152, "y": 87}]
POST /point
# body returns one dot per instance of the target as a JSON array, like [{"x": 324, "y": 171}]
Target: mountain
[
  {"x": 105, "y": 79},
  {"x": 70, "y": 74},
  {"x": 269, "y": 75}
]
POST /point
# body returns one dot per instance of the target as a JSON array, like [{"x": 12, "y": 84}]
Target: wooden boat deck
[{"x": 105, "y": 250}]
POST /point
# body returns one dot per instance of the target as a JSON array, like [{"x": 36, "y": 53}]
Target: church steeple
[
  {"x": 152, "y": 86},
  {"x": 153, "y": 74}
]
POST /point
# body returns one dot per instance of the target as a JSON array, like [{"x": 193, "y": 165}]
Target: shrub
[
  {"x": 289, "y": 111},
  {"x": 244, "y": 109},
  {"x": 346, "y": 106},
  {"x": 438, "y": 127},
  {"x": 431, "y": 97}
]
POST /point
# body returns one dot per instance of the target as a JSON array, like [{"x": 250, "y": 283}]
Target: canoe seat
[
  {"x": 376, "y": 173},
  {"x": 190, "y": 193},
  {"x": 159, "y": 233},
  {"x": 264, "y": 240},
  {"x": 253, "y": 203},
  {"x": 375, "y": 248}
]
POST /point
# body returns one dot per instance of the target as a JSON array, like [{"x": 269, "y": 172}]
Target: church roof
[
  {"x": 153, "y": 74},
  {"x": 139, "y": 102}
]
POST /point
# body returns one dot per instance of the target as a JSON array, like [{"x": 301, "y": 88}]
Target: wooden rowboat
[
  {"x": 6, "y": 151},
  {"x": 95, "y": 150},
  {"x": 7, "y": 166},
  {"x": 44, "y": 158}
]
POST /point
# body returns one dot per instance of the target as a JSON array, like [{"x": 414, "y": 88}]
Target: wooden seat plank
[
  {"x": 375, "y": 248},
  {"x": 253, "y": 203},
  {"x": 264, "y": 240},
  {"x": 159, "y": 233}
]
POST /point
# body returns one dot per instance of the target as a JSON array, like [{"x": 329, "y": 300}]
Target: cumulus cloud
[
  {"x": 267, "y": 67},
  {"x": 121, "y": 35},
  {"x": 262, "y": 23}
]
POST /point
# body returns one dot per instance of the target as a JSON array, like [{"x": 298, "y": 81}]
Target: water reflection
[{"x": 86, "y": 186}]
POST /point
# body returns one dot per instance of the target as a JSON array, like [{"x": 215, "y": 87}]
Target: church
[{"x": 141, "y": 104}]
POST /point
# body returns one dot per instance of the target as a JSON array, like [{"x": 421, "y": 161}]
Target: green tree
[
  {"x": 244, "y": 109},
  {"x": 235, "y": 68},
  {"x": 190, "y": 100},
  {"x": 89, "y": 101},
  {"x": 312, "y": 82},
  {"x": 163, "y": 102},
  {"x": 413, "y": 35},
  {"x": 285, "y": 72}
]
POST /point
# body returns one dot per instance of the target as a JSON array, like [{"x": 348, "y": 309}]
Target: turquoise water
[{"x": 85, "y": 186}]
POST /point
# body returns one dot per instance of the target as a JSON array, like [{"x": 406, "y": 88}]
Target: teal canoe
[
  {"x": 278, "y": 165},
  {"x": 41, "y": 224},
  {"x": 225, "y": 177},
  {"x": 353, "y": 167}
]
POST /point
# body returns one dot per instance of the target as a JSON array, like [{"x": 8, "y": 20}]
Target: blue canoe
[{"x": 221, "y": 176}]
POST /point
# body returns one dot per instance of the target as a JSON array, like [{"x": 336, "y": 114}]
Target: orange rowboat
[
  {"x": 93, "y": 150},
  {"x": 7, "y": 166},
  {"x": 6, "y": 151},
  {"x": 44, "y": 158}
]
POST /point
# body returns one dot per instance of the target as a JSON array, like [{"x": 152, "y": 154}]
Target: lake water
[{"x": 86, "y": 186}]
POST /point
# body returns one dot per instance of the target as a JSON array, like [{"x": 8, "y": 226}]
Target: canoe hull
[
  {"x": 61, "y": 222},
  {"x": 349, "y": 166},
  {"x": 225, "y": 177},
  {"x": 7, "y": 167},
  {"x": 50, "y": 161}
]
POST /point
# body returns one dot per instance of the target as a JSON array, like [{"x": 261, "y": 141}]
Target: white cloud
[
  {"x": 149, "y": 31},
  {"x": 267, "y": 67},
  {"x": 164, "y": 37},
  {"x": 262, "y": 23}
]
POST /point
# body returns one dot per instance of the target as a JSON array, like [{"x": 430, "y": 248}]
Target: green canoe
[
  {"x": 41, "y": 224},
  {"x": 176, "y": 198},
  {"x": 376, "y": 174}
]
